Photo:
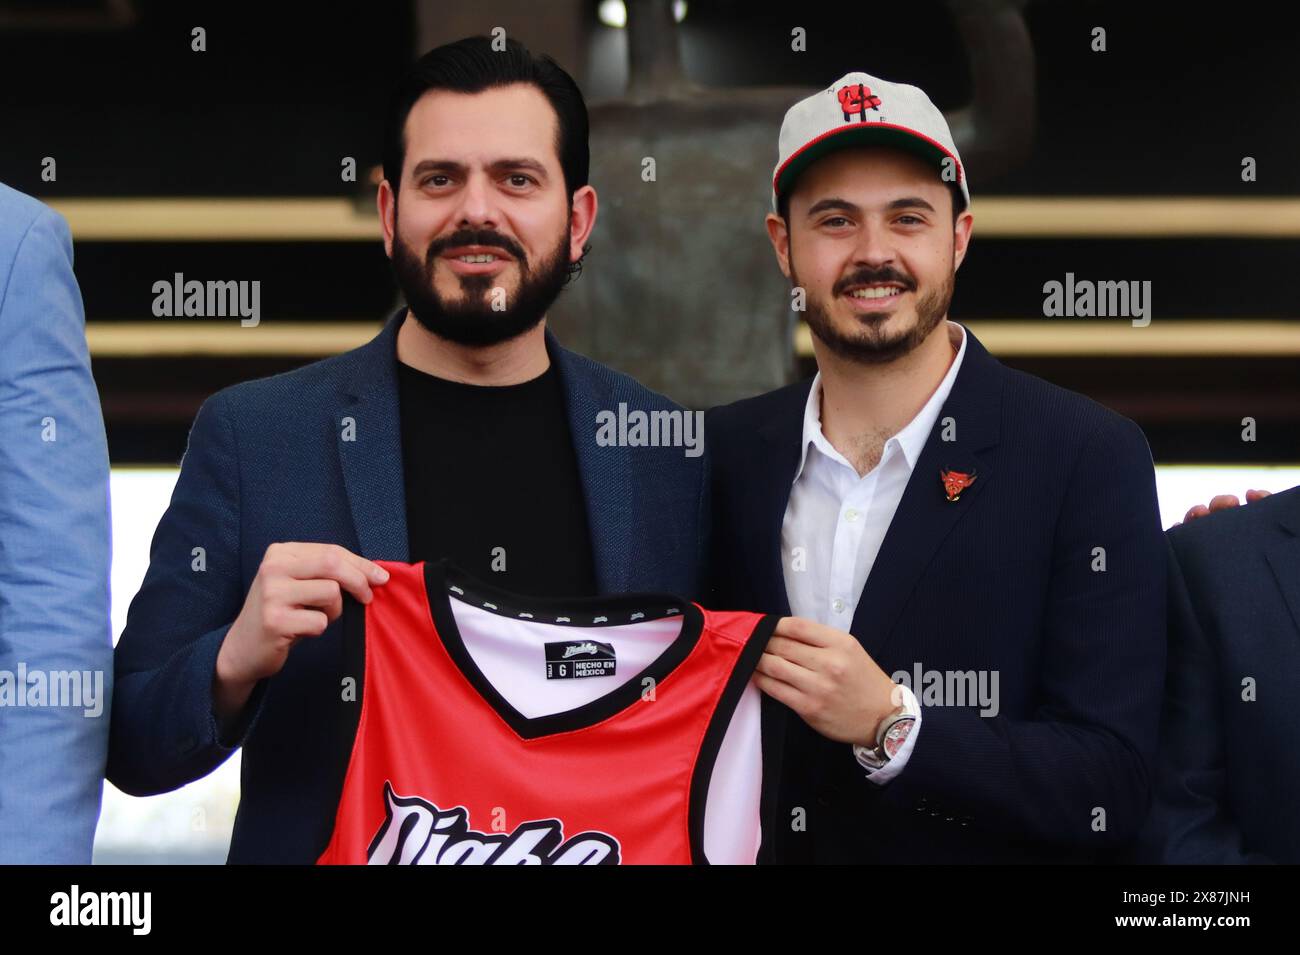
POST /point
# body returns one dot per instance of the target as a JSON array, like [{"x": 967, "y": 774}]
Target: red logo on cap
[{"x": 855, "y": 98}]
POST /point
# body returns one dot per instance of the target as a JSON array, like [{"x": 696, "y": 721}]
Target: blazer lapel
[
  {"x": 606, "y": 471},
  {"x": 369, "y": 440},
  {"x": 925, "y": 516},
  {"x": 783, "y": 435}
]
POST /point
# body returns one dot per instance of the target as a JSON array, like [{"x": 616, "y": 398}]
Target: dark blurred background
[{"x": 113, "y": 91}]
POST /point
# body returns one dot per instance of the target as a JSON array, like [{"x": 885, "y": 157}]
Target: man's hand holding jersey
[
  {"x": 826, "y": 676},
  {"x": 297, "y": 593}
]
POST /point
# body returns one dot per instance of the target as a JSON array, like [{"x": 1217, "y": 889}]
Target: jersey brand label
[{"x": 575, "y": 659}]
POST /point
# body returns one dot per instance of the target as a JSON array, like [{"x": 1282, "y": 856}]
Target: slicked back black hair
[{"x": 472, "y": 66}]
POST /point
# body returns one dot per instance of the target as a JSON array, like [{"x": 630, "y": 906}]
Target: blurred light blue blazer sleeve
[{"x": 54, "y": 547}]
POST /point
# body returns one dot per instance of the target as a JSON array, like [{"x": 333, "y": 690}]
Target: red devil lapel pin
[{"x": 954, "y": 482}]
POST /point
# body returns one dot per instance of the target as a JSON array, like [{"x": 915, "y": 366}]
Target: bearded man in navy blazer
[
  {"x": 971, "y": 558},
  {"x": 462, "y": 430}
]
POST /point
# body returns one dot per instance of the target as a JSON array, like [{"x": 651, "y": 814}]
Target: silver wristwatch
[{"x": 890, "y": 737}]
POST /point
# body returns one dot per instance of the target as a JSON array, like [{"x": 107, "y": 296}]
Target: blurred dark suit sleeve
[{"x": 1188, "y": 823}]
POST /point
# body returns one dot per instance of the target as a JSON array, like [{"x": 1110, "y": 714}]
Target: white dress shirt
[{"x": 835, "y": 520}]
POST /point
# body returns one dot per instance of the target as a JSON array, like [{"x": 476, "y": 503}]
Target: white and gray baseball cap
[{"x": 863, "y": 110}]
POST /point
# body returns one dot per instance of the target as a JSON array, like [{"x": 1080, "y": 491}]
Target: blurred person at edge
[
  {"x": 56, "y": 645},
  {"x": 1227, "y": 771}
]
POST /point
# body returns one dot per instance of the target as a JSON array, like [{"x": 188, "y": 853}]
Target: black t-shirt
[{"x": 492, "y": 482}]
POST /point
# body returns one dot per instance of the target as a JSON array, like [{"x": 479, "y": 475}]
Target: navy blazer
[
  {"x": 1001, "y": 580},
  {"x": 1228, "y": 771},
  {"x": 265, "y": 463}
]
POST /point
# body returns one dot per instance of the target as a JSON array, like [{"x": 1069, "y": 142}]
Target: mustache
[
  {"x": 867, "y": 275},
  {"x": 475, "y": 237}
]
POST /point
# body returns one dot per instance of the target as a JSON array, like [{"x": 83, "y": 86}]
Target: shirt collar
[{"x": 911, "y": 439}]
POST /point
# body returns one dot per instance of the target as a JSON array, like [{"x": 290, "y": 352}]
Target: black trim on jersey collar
[{"x": 440, "y": 576}]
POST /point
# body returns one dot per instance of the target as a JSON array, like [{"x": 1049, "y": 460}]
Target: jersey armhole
[{"x": 717, "y": 731}]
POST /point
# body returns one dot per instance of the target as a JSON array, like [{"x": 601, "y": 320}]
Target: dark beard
[
  {"x": 868, "y": 346},
  {"x": 472, "y": 320}
]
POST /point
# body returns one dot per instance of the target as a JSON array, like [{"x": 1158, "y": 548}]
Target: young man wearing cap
[{"x": 990, "y": 541}]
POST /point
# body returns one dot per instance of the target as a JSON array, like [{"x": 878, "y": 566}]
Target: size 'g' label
[{"x": 576, "y": 659}]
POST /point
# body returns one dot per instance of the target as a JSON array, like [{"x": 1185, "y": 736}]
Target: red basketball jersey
[{"x": 444, "y": 770}]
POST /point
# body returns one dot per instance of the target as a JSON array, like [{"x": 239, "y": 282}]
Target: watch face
[{"x": 896, "y": 736}]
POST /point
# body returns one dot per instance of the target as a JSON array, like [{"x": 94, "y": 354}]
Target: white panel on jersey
[{"x": 510, "y": 654}]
